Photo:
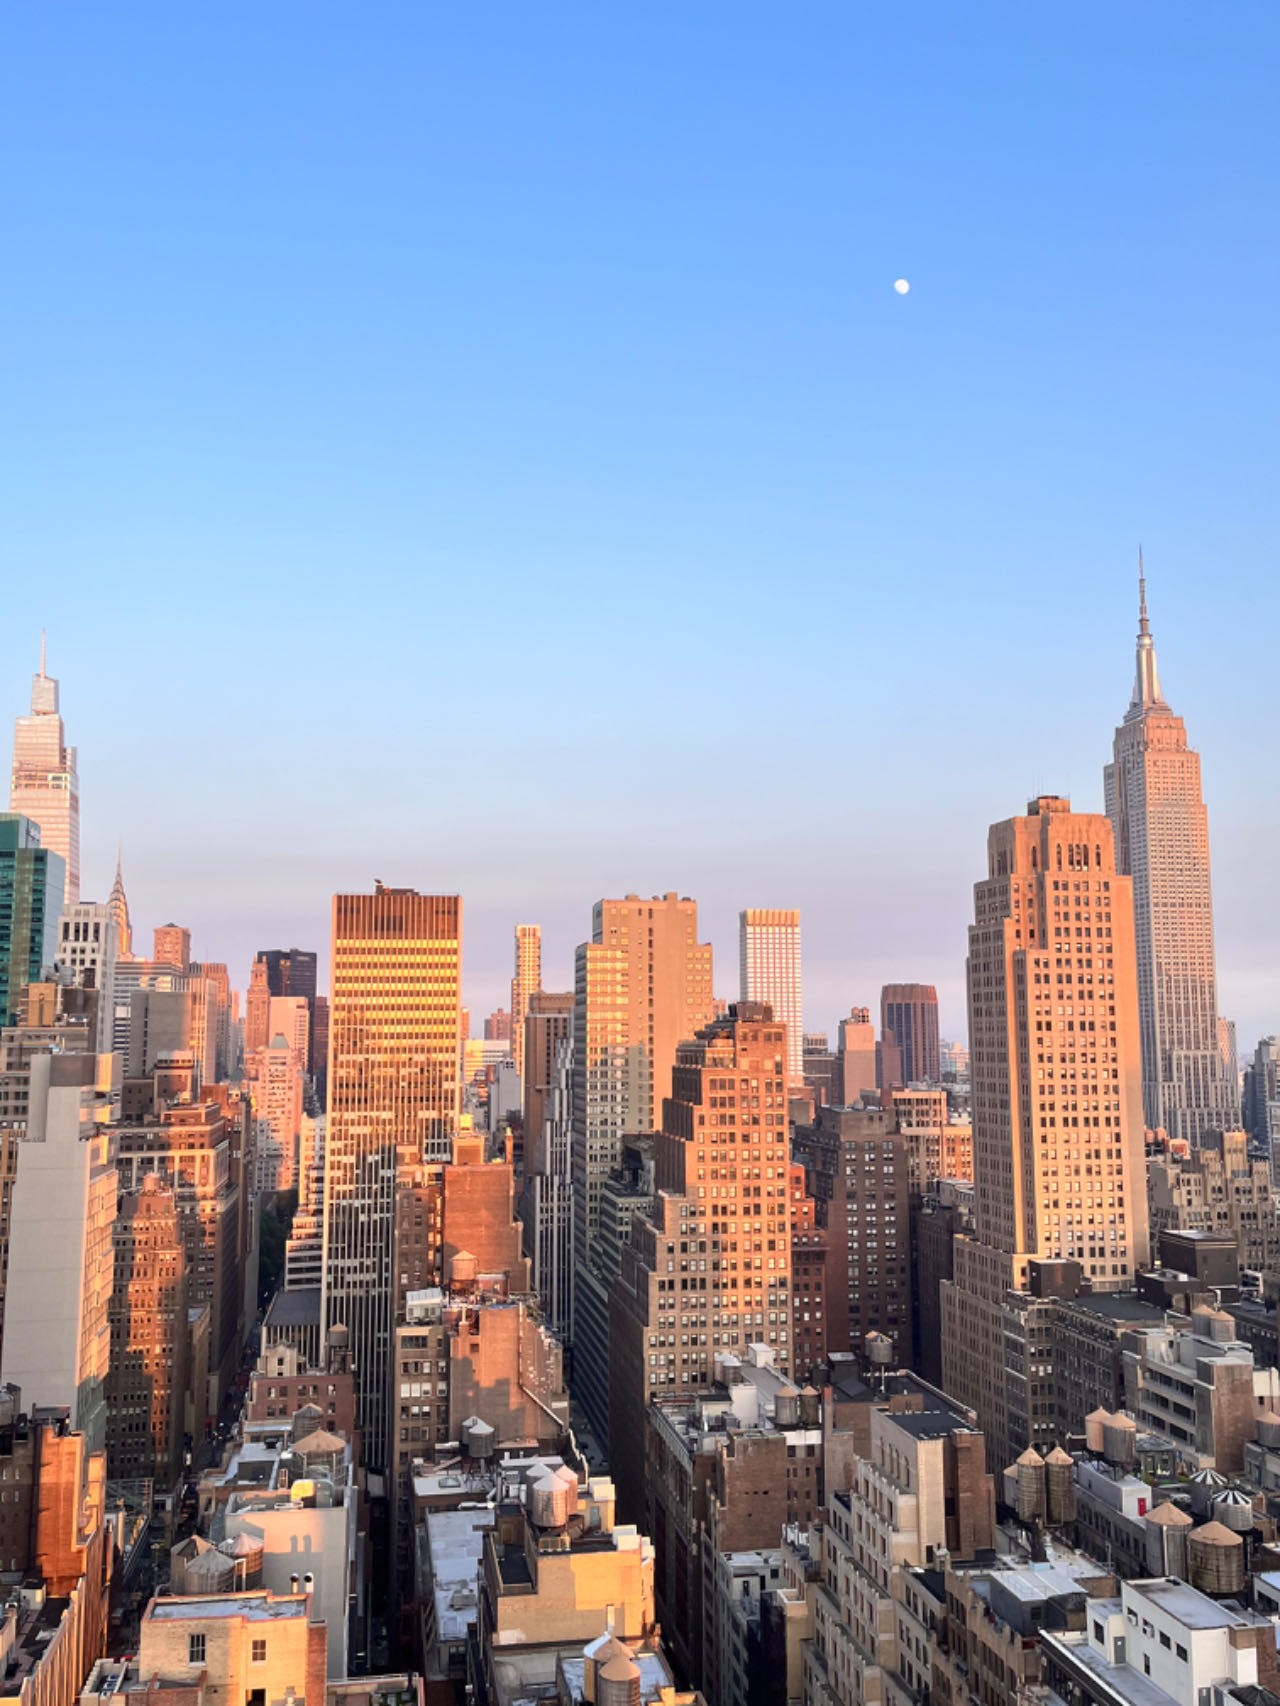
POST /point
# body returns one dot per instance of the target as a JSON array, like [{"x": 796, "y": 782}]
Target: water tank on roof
[
  {"x": 1094, "y": 1423},
  {"x": 1268, "y": 1429},
  {"x": 246, "y": 1555},
  {"x": 1060, "y": 1487},
  {"x": 212, "y": 1572},
  {"x": 1165, "y": 1540},
  {"x": 1203, "y": 1488},
  {"x": 477, "y": 1436},
  {"x": 1215, "y": 1560},
  {"x": 1031, "y": 1494},
  {"x": 786, "y": 1407},
  {"x": 1234, "y": 1510},
  {"x": 1120, "y": 1440},
  {"x": 618, "y": 1682},
  {"x": 463, "y": 1268},
  {"x": 549, "y": 1502}
]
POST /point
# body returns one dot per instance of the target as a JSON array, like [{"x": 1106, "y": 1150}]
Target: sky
[{"x": 481, "y": 448}]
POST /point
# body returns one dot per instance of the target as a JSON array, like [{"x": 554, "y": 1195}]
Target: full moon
[{"x": 901, "y": 285}]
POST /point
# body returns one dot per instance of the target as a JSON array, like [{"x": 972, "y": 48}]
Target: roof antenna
[{"x": 1144, "y": 627}]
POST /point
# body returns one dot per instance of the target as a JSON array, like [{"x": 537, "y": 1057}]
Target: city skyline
[{"x": 488, "y": 985}]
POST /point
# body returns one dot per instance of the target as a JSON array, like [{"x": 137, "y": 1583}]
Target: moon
[{"x": 901, "y": 285}]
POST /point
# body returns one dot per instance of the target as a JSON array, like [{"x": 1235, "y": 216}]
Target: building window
[
  {"x": 259, "y": 1652},
  {"x": 195, "y": 1649}
]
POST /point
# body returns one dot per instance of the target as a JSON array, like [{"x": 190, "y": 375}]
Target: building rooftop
[
  {"x": 1122, "y": 1682},
  {"x": 257, "y": 1607},
  {"x": 299, "y": 1308},
  {"x": 455, "y": 1541},
  {"x": 1193, "y": 1608}
]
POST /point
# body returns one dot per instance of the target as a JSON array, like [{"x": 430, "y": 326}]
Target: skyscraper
[
  {"x": 393, "y": 1105},
  {"x": 665, "y": 1340},
  {"x": 528, "y": 978},
  {"x": 1058, "y": 1147},
  {"x": 32, "y": 883},
  {"x": 770, "y": 971},
  {"x": 857, "y": 1057},
  {"x": 909, "y": 1052},
  {"x": 1162, "y": 841},
  {"x": 44, "y": 785},
  {"x": 118, "y": 902},
  {"x": 642, "y": 987}
]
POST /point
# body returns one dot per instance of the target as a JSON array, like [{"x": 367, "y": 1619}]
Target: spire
[
  {"x": 1146, "y": 683},
  {"x": 119, "y": 906},
  {"x": 44, "y": 654},
  {"x": 44, "y": 689}
]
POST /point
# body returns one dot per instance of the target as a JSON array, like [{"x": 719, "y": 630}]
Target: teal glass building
[{"x": 32, "y": 883}]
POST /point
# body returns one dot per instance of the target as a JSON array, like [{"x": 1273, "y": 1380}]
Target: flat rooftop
[
  {"x": 258, "y": 1608},
  {"x": 455, "y": 1541},
  {"x": 1193, "y": 1608}
]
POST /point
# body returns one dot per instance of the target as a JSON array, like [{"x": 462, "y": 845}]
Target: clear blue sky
[{"x": 479, "y": 446}]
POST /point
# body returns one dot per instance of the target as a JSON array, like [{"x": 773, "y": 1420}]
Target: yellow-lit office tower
[
  {"x": 1058, "y": 1144},
  {"x": 1162, "y": 842},
  {"x": 527, "y": 979},
  {"x": 393, "y": 1105},
  {"x": 770, "y": 971},
  {"x": 642, "y": 987}
]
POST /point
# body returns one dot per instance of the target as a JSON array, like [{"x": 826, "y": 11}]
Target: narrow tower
[
  {"x": 43, "y": 784},
  {"x": 1162, "y": 841}
]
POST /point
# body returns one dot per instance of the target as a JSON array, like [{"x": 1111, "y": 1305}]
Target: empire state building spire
[{"x": 1146, "y": 681}]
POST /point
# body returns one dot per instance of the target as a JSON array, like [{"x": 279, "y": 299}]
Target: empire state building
[{"x": 1162, "y": 842}]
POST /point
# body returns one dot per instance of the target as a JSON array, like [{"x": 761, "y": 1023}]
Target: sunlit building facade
[
  {"x": 1162, "y": 841},
  {"x": 44, "y": 785},
  {"x": 527, "y": 979},
  {"x": 393, "y": 1105},
  {"x": 769, "y": 968}
]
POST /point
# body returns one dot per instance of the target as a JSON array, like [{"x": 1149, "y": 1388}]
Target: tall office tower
[
  {"x": 1058, "y": 1142},
  {"x": 858, "y": 1169},
  {"x": 32, "y": 883},
  {"x": 527, "y": 979},
  {"x": 548, "y": 1022},
  {"x": 57, "y": 1335},
  {"x": 171, "y": 946},
  {"x": 674, "y": 1315},
  {"x": 1230, "y": 1056},
  {"x": 547, "y": 1204},
  {"x": 393, "y": 1105},
  {"x": 1162, "y": 842},
  {"x": 257, "y": 1009},
  {"x": 194, "y": 1147},
  {"x": 88, "y": 946},
  {"x": 857, "y": 1057},
  {"x": 319, "y": 1055},
  {"x": 44, "y": 785},
  {"x": 304, "y": 1248},
  {"x": 221, "y": 1000},
  {"x": 642, "y": 986},
  {"x": 769, "y": 969},
  {"x": 277, "y": 1114},
  {"x": 147, "y": 1380},
  {"x": 909, "y": 1052},
  {"x": 1262, "y": 1099},
  {"x": 290, "y": 971}
]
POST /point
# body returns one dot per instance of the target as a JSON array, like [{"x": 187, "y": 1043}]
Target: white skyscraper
[
  {"x": 1162, "y": 841},
  {"x": 769, "y": 958},
  {"x": 43, "y": 784}
]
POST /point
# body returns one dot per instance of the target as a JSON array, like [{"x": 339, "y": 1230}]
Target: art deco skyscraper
[
  {"x": 1058, "y": 1143},
  {"x": 1162, "y": 842},
  {"x": 393, "y": 1105},
  {"x": 770, "y": 971},
  {"x": 528, "y": 978},
  {"x": 44, "y": 785}
]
